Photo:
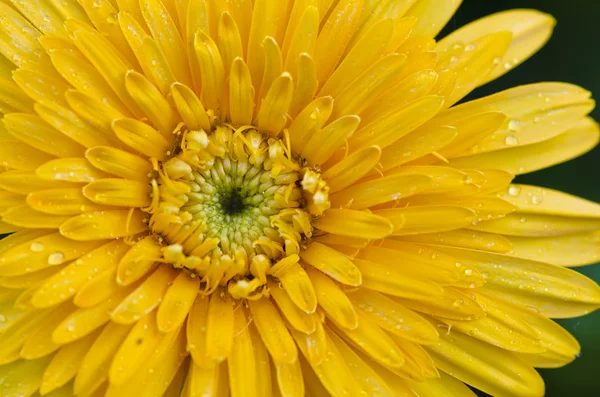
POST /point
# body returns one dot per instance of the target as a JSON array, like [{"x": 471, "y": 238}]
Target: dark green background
[{"x": 572, "y": 55}]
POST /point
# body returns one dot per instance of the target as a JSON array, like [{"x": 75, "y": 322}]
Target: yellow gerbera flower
[{"x": 281, "y": 198}]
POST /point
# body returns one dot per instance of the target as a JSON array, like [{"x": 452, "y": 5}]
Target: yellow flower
[{"x": 282, "y": 198}]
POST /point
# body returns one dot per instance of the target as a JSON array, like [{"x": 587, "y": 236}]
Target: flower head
[{"x": 256, "y": 198}]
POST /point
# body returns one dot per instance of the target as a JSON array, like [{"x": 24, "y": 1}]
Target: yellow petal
[
  {"x": 94, "y": 367},
  {"x": 177, "y": 302},
  {"x": 273, "y": 331},
  {"x": 135, "y": 350},
  {"x": 537, "y": 225},
  {"x": 152, "y": 103},
  {"x": 243, "y": 374},
  {"x": 463, "y": 238},
  {"x": 306, "y": 84},
  {"x": 214, "y": 92},
  {"x": 369, "y": 380},
  {"x": 189, "y": 107},
  {"x": 298, "y": 286},
  {"x": 360, "y": 57},
  {"x": 354, "y": 224},
  {"x": 138, "y": 261},
  {"x": 61, "y": 202},
  {"x": 394, "y": 125},
  {"x": 352, "y": 168},
  {"x": 273, "y": 65},
  {"x": 141, "y": 137},
  {"x": 241, "y": 93},
  {"x": 333, "y": 372},
  {"x": 39, "y": 252},
  {"x": 39, "y": 343},
  {"x": 485, "y": 367},
  {"x": 21, "y": 156},
  {"x": 380, "y": 278},
  {"x": 298, "y": 319},
  {"x": 311, "y": 119},
  {"x": 70, "y": 170},
  {"x": 303, "y": 39},
  {"x": 23, "y": 378},
  {"x": 427, "y": 219},
  {"x": 36, "y": 133},
  {"x": 271, "y": 117},
  {"x": 98, "y": 289},
  {"x": 444, "y": 386},
  {"x": 290, "y": 380},
  {"x": 229, "y": 40},
  {"x": 65, "y": 364},
  {"x": 555, "y": 291},
  {"x": 531, "y": 29},
  {"x": 539, "y": 200},
  {"x": 40, "y": 86},
  {"x": 335, "y": 36},
  {"x": 220, "y": 327},
  {"x": 524, "y": 159},
  {"x": 393, "y": 317},
  {"x": 69, "y": 280},
  {"x": 332, "y": 263},
  {"x": 333, "y": 300},
  {"x": 374, "y": 341},
  {"x": 569, "y": 250},
  {"x": 325, "y": 142},
  {"x": 502, "y": 326},
  {"x": 104, "y": 224},
  {"x": 25, "y": 216},
  {"x": 117, "y": 162},
  {"x": 196, "y": 333},
  {"x": 145, "y": 298},
  {"x": 119, "y": 192},
  {"x": 379, "y": 191}
]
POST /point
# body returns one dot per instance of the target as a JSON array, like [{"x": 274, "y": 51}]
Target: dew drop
[
  {"x": 37, "y": 247},
  {"x": 537, "y": 200},
  {"x": 511, "y": 140},
  {"x": 470, "y": 47},
  {"x": 523, "y": 220},
  {"x": 514, "y": 191},
  {"x": 514, "y": 125},
  {"x": 56, "y": 258}
]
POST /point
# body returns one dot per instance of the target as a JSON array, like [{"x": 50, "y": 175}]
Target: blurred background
[{"x": 572, "y": 55}]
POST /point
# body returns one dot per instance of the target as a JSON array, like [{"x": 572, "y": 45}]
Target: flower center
[{"x": 230, "y": 204}]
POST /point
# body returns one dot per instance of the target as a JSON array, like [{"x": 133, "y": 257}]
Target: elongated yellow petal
[
  {"x": 362, "y": 55},
  {"x": 141, "y": 137},
  {"x": 569, "y": 250},
  {"x": 214, "y": 92},
  {"x": 25, "y": 216},
  {"x": 298, "y": 319},
  {"x": 95, "y": 364},
  {"x": 40, "y": 86},
  {"x": 36, "y": 133},
  {"x": 39, "y": 343},
  {"x": 273, "y": 110},
  {"x": 243, "y": 373},
  {"x": 333, "y": 263},
  {"x": 118, "y": 163},
  {"x": 220, "y": 327},
  {"x": 432, "y": 16},
  {"x": 190, "y": 108},
  {"x": 42, "y": 251},
  {"x": 537, "y": 225},
  {"x": 203, "y": 382},
  {"x": 21, "y": 156},
  {"x": 298, "y": 286},
  {"x": 65, "y": 364},
  {"x": 62, "y": 202},
  {"x": 555, "y": 291},
  {"x": 333, "y": 300},
  {"x": 273, "y": 331},
  {"x": 486, "y": 367},
  {"x": 354, "y": 224},
  {"x": 138, "y": 346},
  {"x": 303, "y": 40},
  {"x": 104, "y": 224},
  {"x": 310, "y": 120},
  {"x": 335, "y": 36},
  {"x": 24, "y": 378},
  {"x": 393, "y": 317},
  {"x": 196, "y": 333},
  {"x": 391, "y": 127},
  {"x": 381, "y": 278},
  {"x": 241, "y": 93},
  {"x": 523, "y": 159},
  {"x": 531, "y": 29},
  {"x": 177, "y": 302},
  {"x": 378, "y": 191},
  {"x": 273, "y": 65},
  {"x": 67, "y": 282},
  {"x": 68, "y": 169},
  {"x": 463, "y": 238},
  {"x": 152, "y": 103},
  {"x": 118, "y": 192},
  {"x": 325, "y": 142},
  {"x": 145, "y": 298},
  {"x": 306, "y": 84},
  {"x": 352, "y": 168},
  {"x": 138, "y": 261}
]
